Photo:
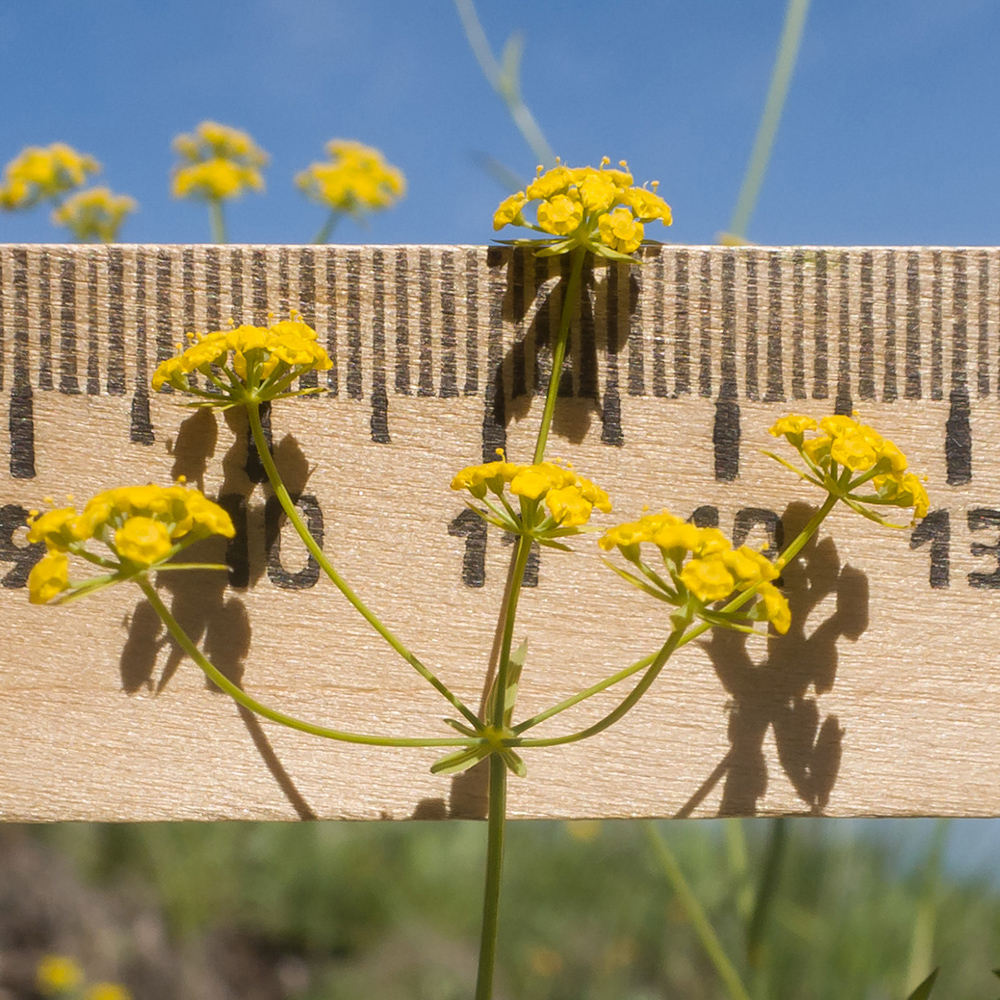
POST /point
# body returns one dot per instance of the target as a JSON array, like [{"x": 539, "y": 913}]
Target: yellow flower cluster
[
  {"x": 94, "y": 214},
  {"x": 264, "y": 363},
  {"x": 599, "y": 210},
  {"x": 845, "y": 454},
  {"x": 355, "y": 179},
  {"x": 702, "y": 564},
  {"x": 569, "y": 498},
  {"x": 41, "y": 174},
  {"x": 219, "y": 162},
  {"x": 141, "y": 525}
]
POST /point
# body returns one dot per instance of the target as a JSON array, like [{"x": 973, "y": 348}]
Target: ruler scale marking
[
  {"x": 682, "y": 327},
  {"x": 68, "y": 368},
  {"x": 44, "y": 321}
]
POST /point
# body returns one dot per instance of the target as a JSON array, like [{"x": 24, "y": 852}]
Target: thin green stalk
[
  {"x": 237, "y": 694},
  {"x": 766, "y": 889},
  {"x": 504, "y": 80},
  {"x": 253, "y": 413},
  {"x": 696, "y": 915},
  {"x": 497, "y": 814},
  {"x": 781, "y": 77},
  {"x": 216, "y": 220},
  {"x": 503, "y": 666},
  {"x": 739, "y": 865},
  {"x": 627, "y": 703},
  {"x": 812, "y": 525},
  {"x": 586, "y": 693},
  {"x": 559, "y": 349},
  {"x": 327, "y": 228},
  {"x": 497, "y": 825}
]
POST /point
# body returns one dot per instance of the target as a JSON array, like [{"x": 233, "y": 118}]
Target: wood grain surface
[{"x": 882, "y": 700}]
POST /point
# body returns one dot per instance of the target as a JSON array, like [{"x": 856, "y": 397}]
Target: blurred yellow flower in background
[
  {"x": 95, "y": 214},
  {"x": 355, "y": 180},
  {"x": 217, "y": 162},
  {"x": 38, "y": 174},
  {"x": 57, "y": 974}
]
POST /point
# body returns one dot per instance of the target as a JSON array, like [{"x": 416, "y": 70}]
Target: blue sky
[{"x": 890, "y": 134}]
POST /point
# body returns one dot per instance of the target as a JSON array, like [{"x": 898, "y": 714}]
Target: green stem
[
  {"x": 559, "y": 349},
  {"x": 497, "y": 824},
  {"x": 766, "y": 889},
  {"x": 217, "y": 220},
  {"x": 812, "y": 525},
  {"x": 699, "y": 921},
  {"x": 503, "y": 79},
  {"x": 503, "y": 666},
  {"x": 327, "y": 228},
  {"x": 253, "y": 413},
  {"x": 237, "y": 694},
  {"x": 582, "y": 695},
  {"x": 627, "y": 703},
  {"x": 781, "y": 78}
]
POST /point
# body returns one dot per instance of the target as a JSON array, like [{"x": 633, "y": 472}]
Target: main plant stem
[{"x": 497, "y": 815}]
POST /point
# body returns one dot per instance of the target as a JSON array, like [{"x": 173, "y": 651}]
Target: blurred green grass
[{"x": 392, "y": 910}]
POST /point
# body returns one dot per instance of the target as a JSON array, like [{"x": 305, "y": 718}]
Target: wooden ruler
[{"x": 882, "y": 700}]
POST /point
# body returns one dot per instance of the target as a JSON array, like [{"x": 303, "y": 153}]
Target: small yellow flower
[
  {"x": 107, "y": 991},
  {"x": 356, "y": 179},
  {"x": 42, "y": 174},
  {"x": 509, "y": 212},
  {"x": 94, "y": 214},
  {"x": 143, "y": 540},
  {"x": 708, "y": 579},
  {"x": 620, "y": 231},
  {"x": 749, "y": 566},
  {"x": 596, "y": 210},
  {"x": 648, "y": 206},
  {"x": 551, "y": 182},
  {"x": 219, "y": 163},
  {"x": 248, "y": 363},
  {"x": 775, "y": 606},
  {"x": 48, "y": 578},
  {"x": 57, "y": 974},
  {"x": 54, "y": 527},
  {"x": 794, "y": 425},
  {"x": 560, "y": 214}
]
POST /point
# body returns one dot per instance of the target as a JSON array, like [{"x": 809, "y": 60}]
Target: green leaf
[
  {"x": 463, "y": 729},
  {"x": 460, "y": 760},
  {"x": 514, "y": 763},
  {"x": 640, "y": 584},
  {"x": 514, "y": 667},
  {"x": 923, "y": 991}
]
